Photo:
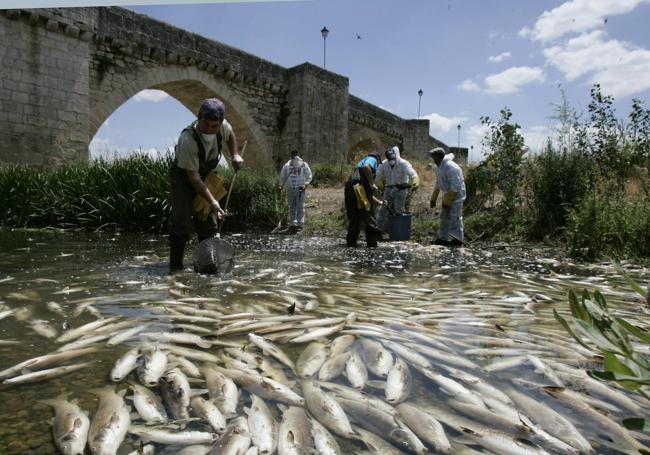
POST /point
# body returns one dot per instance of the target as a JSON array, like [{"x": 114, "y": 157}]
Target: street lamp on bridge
[
  {"x": 420, "y": 92},
  {"x": 324, "y": 32}
]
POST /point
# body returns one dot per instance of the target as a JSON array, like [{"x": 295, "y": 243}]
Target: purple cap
[{"x": 212, "y": 109}]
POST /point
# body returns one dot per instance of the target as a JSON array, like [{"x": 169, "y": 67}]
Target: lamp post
[
  {"x": 324, "y": 32},
  {"x": 420, "y": 92},
  {"x": 458, "y": 136}
]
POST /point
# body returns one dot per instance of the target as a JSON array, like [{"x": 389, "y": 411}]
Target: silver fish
[
  {"x": 109, "y": 424},
  {"x": 355, "y": 371},
  {"x": 125, "y": 364},
  {"x": 153, "y": 363},
  {"x": 175, "y": 391},
  {"x": 425, "y": 426},
  {"x": 324, "y": 442},
  {"x": 162, "y": 436},
  {"x": 294, "y": 435},
  {"x": 333, "y": 367},
  {"x": 209, "y": 412},
  {"x": 262, "y": 425},
  {"x": 398, "y": 382},
  {"x": 236, "y": 441},
  {"x": 69, "y": 426},
  {"x": 271, "y": 349},
  {"x": 45, "y": 360},
  {"x": 148, "y": 405},
  {"x": 377, "y": 359},
  {"x": 42, "y": 375},
  {"x": 223, "y": 391},
  {"x": 326, "y": 409},
  {"x": 311, "y": 359}
]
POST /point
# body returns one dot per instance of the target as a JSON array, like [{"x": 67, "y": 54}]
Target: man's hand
[
  {"x": 216, "y": 209},
  {"x": 448, "y": 199},
  {"x": 374, "y": 188},
  {"x": 237, "y": 162}
]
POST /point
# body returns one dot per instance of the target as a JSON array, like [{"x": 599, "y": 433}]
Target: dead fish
[
  {"x": 42, "y": 375},
  {"x": 326, "y": 409},
  {"x": 294, "y": 435},
  {"x": 271, "y": 349},
  {"x": 162, "y": 436},
  {"x": 333, "y": 367},
  {"x": 125, "y": 364},
  {"x": 262, "y": 425},
  {"x": 109, "y": 423},
  {"x": 69, "y": 426},
  {"x": 209, "y": 412},
  {"x": 377, "y": 359},
  {"x": 175, "y": 391},
  {"x": 86, "y": 328},
  {"x": 398, "y": 382},
  {"x": 236, "y": 440},
  {"x": 177, "y": 337},
  {"x": 355, "y": 371},
  {"x": 324, "y": 442},
  {"x": 153, "y": 363},
  {"x": 44, "y": 360},
  {"x": 425, "y": 426},
  {"x": 148, "y": 404},
  {"x": 43, "y": 328},
  {"x": 311, "y": 359},
  {"x": 222, "y": 390}
]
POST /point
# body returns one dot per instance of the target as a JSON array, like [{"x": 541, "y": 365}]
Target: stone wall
[
  {"x": 44, "y": 86},
  {"x": 64, "y": 71},
  {"x": 316, "y": 113}
]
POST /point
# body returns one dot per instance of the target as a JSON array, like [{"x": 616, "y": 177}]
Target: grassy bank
[{"x": 129, "y": 194}]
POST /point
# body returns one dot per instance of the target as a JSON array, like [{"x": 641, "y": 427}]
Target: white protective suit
[
  {"x": 296, "y": 174},
  {"x": 397, "y": 180},
  {"x": 449, "y": 177}
]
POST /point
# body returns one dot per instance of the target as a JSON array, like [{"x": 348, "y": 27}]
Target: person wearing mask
[
  {"x": 449, "y": 182},
  {"x": 360, "y": 191},
  {"x": 398, "y": 176},
  {"x": 197, "y": 153},
  {"x": 296, "y": 174}
]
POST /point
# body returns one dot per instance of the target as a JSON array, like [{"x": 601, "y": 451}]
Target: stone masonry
[{"x": 64, "y": 71}]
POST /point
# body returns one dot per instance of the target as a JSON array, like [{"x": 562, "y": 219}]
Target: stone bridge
[{"x": 64, "y": 71}]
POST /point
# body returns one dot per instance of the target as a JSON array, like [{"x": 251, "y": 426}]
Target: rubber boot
[{"x": 176, "y": 254}]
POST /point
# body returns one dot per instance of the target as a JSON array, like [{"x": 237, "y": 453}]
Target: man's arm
[
  {"x": 367, "y": 172},
  {"x": 236, "y": 159},
  {"x": 200, "y": 188}
]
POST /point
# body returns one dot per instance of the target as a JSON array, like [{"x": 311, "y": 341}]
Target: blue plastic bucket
[{"x": 399, "y": 226}]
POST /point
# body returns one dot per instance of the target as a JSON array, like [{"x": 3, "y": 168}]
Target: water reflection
[{"x": 479, "y": 316}]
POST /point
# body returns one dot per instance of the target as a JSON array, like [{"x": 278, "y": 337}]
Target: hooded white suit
[
  {"x": 397, "y": 180},
  {"x": 296, "y": 174},
  {"x": 449, "y": 177}
]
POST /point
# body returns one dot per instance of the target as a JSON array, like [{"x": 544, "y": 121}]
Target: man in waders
[
  {"x": 296, "y": 174},
  {"x": 449, "y": 182},
  {"x": 198, "y": 152},
  {"x": 359, "y": 201}
]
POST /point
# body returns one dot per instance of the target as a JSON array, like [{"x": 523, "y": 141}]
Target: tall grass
[
  {"x": 607, "y": 224},
  {"x": 129, "y": 194},
  {"x": 555, "y": 183}
]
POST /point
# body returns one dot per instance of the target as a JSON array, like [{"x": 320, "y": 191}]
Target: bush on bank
[{"x": 125, "y": 193}]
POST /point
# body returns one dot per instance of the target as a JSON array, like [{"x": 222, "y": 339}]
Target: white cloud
[
  {"x": 621, "y": 68},
  {"x": 511, "y": 80},
  {"x": 103, "y": 148},
  {"x": 576, "y": 16},
  {"x": 536, "y": 137},
  {"x": 468, "y": 86},
  {"x": 499, "y": 58},
  {"x": 150, "y": 95},
  {"x": 474, "y": 137},
  {"x": 441, "y": 124}
]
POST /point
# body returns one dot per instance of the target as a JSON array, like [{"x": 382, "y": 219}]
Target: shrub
[
  {"x": 326, "y": 174},
  {"x": 555, "y": 182},
  {"x": 605, "y": 223}
]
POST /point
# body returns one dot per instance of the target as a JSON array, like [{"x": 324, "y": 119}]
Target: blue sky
[{"x": 471, "y": 58}]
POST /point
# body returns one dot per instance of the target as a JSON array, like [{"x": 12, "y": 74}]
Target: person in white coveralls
[
  {"x": 451, "y": 183},
  {"x": 296, "y": 175}
]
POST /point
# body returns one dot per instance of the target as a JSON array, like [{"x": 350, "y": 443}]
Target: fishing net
[{"x": 213, "y": 256}]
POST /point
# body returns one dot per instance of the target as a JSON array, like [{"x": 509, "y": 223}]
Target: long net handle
[{"x": 232, "y": 184}]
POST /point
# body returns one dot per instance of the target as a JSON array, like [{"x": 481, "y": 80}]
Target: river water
[{"x": 463, "y": 299}]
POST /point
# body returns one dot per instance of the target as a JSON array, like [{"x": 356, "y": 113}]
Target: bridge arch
[{"x": 189, "y": 86}]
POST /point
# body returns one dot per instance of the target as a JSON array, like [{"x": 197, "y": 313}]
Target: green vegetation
[
  {"x": 592, "y": 324},
  {"x": 125, "y": 193},
  {"x": 587, "y": 190}
]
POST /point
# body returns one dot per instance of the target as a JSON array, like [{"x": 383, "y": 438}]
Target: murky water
[{"x": 480, "y": 308}]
